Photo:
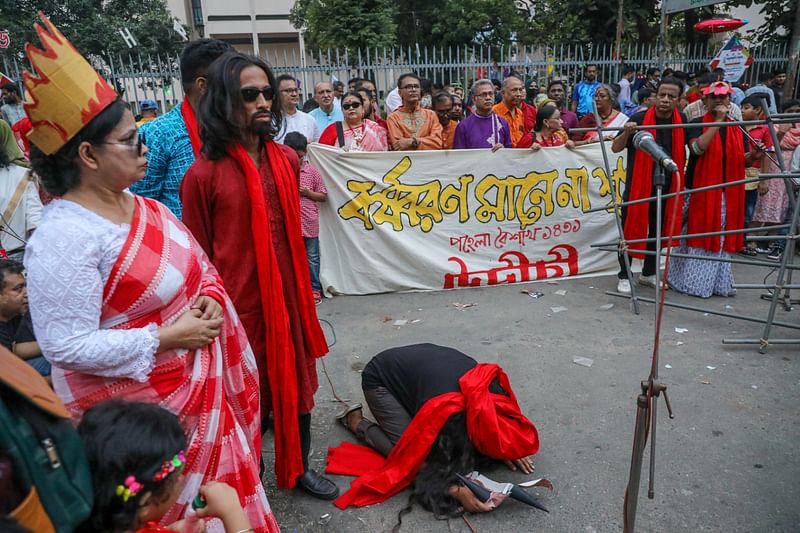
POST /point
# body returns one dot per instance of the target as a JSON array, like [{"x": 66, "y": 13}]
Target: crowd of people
[{"x": 148, "y": 319}]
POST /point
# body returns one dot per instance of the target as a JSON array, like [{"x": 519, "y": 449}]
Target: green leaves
[{"x": 93, "y": 25}]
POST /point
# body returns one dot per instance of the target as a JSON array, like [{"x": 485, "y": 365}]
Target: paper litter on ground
[
  {"x": 561, "y": 292},
  {"x": 400, "y": 322},
  {"x": 558, "y": 309},
  {"x": 583, "y": 361},
  {"x": 681, "y": 330}
]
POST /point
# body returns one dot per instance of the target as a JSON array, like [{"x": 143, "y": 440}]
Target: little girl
[{"x": 136, "y": 455}]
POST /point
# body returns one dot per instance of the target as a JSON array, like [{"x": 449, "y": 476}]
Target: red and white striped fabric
[{"x": 159, "y": 274}]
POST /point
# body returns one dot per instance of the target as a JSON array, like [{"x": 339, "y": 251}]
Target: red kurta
[{"x": 217, "y": 211}]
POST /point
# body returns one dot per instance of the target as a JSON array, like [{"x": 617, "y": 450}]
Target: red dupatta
[
  {"x": 191, "y": 126},
  {"x": 705, "y": 208},
  {"x": 637, "y": 220},
  {"x": 159, "y": 273},
  {"x": 495, "y": 425},
  {"x": 280, "y": 347}
]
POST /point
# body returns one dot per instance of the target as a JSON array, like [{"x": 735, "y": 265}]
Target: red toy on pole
[{"x": 719, "y": 25}]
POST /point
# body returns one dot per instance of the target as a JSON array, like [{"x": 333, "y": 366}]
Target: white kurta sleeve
[{"x": 65, "y": 290}]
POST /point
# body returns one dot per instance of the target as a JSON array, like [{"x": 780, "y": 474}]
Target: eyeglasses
[
  {"x": 250, "y": 94},
  {"x": 134, "y": 142},
  {"x": 485, "y": 95},
  {"x": 351, "y": 105}
]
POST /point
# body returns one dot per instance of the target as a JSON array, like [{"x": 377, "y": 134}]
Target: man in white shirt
[
  {"x": 293, "y": 118},
  {"x": 327, "y": 113},
  {"x": 393, "y": 100}
]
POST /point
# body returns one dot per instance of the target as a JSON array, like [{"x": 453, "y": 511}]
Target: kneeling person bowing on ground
[{"x": 439, "y": 412}]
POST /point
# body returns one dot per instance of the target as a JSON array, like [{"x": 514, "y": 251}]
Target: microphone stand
[{"x": 647, "y": 401}]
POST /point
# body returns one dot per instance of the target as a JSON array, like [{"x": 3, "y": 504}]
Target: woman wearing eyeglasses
[
  {"x": 355, "y": 133},
  {"x": 124, "y": 302}
]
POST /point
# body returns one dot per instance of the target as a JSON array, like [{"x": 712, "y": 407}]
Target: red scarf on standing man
[
  {"x": 190, "y": 119},
  {"x": 637, "y": 219},
  {"x": 705, "y": 208},
  {"x": 281, "y": 367}
]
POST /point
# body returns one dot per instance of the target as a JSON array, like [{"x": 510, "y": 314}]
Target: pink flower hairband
[{"x": 131, "y": 487}]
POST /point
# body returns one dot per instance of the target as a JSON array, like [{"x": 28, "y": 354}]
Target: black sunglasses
[
  {"x": 351, "y": 105},
  {"x": 250, "y": 94}
]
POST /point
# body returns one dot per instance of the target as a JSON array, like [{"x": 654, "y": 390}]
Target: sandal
[{"x": 342, "y": 417}]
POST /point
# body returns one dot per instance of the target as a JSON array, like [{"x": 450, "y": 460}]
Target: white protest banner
[{"x": 463, "y": 218}]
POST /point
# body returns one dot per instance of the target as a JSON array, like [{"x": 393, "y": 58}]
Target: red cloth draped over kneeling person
[{"x": 495, "y": 425}]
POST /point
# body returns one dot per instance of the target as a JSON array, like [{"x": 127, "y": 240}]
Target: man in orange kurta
[
  {"x": 411, "y": 127},
  {"x": 443, "y": 107},
  {"x": 520, "y": 117}
]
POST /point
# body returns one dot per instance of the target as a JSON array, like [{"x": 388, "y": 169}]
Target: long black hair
[
  {"x": 452, "y": 453},
  {"x": 60, "y": 171},
  {"x": 127, "y": 439},
  {"x": 4, "y": 160},
  {"x": 219, "y": 117}
]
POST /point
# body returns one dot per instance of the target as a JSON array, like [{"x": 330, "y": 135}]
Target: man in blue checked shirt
[{"x": 167, "y": 137}]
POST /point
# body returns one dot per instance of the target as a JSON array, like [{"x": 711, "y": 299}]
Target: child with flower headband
[{"x": 136, "y": 453}]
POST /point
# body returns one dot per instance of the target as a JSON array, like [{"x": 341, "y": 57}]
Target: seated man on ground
[
  {"x": 16, "y": 329},
  {"x": 435, "y": 405}
]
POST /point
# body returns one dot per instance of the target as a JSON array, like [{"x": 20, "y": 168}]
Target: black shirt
[
  {"x": 415, "y": 374},
  {"x": 663, "y": 139},
  {"x": 18, "y": 329}
]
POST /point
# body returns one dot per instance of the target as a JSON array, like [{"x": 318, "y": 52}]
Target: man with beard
[
  {"x": 242, "y": 203},
  {"x": 443, "y": 107},
  {"x": 374, "y": 113},
  {"x": 11, "y": 110},
  {"x": 327, "y": 113},
  {"x": 483, "y": 128},
  {"x": 293, "y": 118},
  {"x": 778, "y": 81},
  {"x": 520, "y": 116},
  {"x": 557, "y": 92},
  {"x": 583, "y": 94},
  {"x": 639, "y": 220}
]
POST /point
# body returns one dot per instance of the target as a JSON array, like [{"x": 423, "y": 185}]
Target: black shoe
[
  {"x": 775, "y": 254},
  {"x": 317, "y": 485}
]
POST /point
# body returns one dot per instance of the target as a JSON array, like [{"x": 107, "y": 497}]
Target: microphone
[{"x": 644, "y": 141}]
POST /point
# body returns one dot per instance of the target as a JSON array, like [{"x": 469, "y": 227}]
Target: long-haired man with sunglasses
[{"x": 241, "y": 200}]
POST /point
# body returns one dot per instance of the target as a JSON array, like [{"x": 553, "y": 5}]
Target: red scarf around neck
[
  {"x": 705, "y": 208},
  {"x": 191, "y": 126},
  {"x": 637, "y": 219},
  {"x": 281, "y": 367},
  {"x": 495, "y": 425}
]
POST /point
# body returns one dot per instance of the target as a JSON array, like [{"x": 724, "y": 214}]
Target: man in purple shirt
[
  {"x": 557, "y": 92},
  {"x": 483, "y": 128}
]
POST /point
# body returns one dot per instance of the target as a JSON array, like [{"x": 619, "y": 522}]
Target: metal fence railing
[{"x": 139, "y": 77}]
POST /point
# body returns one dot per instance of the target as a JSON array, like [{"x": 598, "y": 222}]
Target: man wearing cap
[
  {"x": 149, "y": 110},
  {"x": 698, "y": 109},
  {"x": 173, "y": 139}
]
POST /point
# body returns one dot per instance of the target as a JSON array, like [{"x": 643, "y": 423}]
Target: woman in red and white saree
[{"x": 118, "y": 290}]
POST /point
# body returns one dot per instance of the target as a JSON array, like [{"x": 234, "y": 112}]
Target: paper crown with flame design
[{"x": 66, "y": 94}]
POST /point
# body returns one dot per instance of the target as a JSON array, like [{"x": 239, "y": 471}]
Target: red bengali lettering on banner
[{"x": 517, "y": 268}]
